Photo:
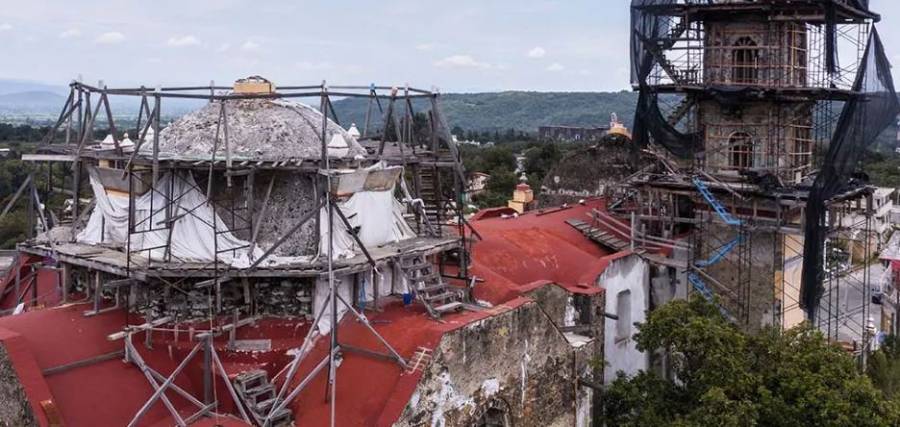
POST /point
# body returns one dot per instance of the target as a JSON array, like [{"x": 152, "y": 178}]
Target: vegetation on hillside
[
  {"x": 499, "y": 161},
  {"x": 13, "y": 172},
  {"x": 518, "y": 111},
  {"x": 883, "y": 168},
  {"x": 725, "y": 377}
]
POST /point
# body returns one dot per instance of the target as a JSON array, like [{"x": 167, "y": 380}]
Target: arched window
[
  {"x": 740, "y": 150},
  {"x": 745, "y": 61}
]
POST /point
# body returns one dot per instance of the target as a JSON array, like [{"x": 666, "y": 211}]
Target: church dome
[{"x": 258, "y": 129}]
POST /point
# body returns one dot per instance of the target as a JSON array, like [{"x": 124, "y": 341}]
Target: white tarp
[
  {"x": 377, "y": 214},
  {"x": 384, "y": 278},
  {"x": 193, "y": 238},
  {"x": 379, "y": 219}
]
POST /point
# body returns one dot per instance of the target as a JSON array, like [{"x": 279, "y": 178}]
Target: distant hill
[
  {"x": 35, "y": 101},
  {"x": 524, "y": 111},
  {"x": 11, "y": 86}
]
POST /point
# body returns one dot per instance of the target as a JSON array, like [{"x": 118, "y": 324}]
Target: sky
[{"x": 450, "y": 45}]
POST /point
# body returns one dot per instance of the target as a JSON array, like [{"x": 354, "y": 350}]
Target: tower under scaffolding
[
  {"x": 256, "y": 205},
  {"x": 753, "y": 115}
]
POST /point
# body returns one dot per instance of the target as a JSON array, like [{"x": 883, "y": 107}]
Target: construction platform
[{"x": 115, "y": 261}]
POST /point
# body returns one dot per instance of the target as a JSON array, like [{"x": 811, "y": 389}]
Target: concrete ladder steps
[{"x": 258, "y": 394}]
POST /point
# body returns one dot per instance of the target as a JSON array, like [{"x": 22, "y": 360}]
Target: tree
[
  {"x": 539, "y": 160},
  {"x": 725, "y": 377},
  {"x": 884, "y": 367}
]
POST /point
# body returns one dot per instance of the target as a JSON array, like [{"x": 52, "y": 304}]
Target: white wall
[{"x": 630, "y": 273}]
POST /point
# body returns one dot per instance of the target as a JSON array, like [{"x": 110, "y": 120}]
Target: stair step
[
  {"x": 251, "y": 379},
  {"x": 441, "y": 296},
  {"x": 452, "y": 306},
  {"x": 266, "y": 391},
  {"x": 427, "y": 278},
  {"x": 432, "y": 288},
  {"x": 265, "y": 406},
  {"x": 411, "y": 268},
  {"x": 282, "y": 418}
]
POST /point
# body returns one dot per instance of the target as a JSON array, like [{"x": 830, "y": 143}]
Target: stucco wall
[{"x": 631, "y": 273}]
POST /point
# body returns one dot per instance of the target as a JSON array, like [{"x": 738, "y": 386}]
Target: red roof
[
  {"x": 105, "y": 393},
  {"x": 516, "y": 256},
  {"x": 536, "y": 246},
  {"x": 43, "y": 283}
]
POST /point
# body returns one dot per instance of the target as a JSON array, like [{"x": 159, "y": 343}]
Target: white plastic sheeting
[
  {"x": 388, "y": 280},
  {"x": 193, "y": 238},
  {"x": 377, "y": 214}
]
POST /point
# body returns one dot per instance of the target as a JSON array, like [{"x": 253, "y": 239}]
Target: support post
[{"x": 207, "y": 369}]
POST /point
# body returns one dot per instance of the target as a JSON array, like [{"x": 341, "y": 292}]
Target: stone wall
[
  {"x": 292, "y": 197},
  {"x": 748, "y": 273},
  {"x": 780, "y": 49},
  {"x": 290, "y": 298},
  {"x": 774, "y": 131},
  {"x": 757, "y": 54},
  {"x": 516, "y": 367},
  {"x": 15, "y": 411}
]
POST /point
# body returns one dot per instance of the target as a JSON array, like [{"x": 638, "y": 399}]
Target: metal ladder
[
  {"x": 720, "y": 253},
  {"x": 714, "y": 203}
]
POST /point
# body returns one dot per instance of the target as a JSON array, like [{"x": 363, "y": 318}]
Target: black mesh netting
[
  {"x": 871, "y": 109},
  {"x": 647, "y": 28}
]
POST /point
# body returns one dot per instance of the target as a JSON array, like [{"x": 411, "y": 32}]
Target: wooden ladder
[{"x": 424, "y": 279}]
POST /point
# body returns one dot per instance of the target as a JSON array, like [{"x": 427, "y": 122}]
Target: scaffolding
[
  {"x": 748, "y": 92},
  {"x": 431, "y": 186}
]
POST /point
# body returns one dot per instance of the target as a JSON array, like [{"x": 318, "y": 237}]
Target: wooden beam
[
  {"x": 15, "y": 197},
  {"x": 84, "y": 362},
  {"x": 48, "y": 158}
]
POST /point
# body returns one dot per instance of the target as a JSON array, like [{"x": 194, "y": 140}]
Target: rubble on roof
[{"x": 258, "y": 129}]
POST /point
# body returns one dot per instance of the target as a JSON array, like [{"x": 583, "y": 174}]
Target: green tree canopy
[
  {"x": 724, "y": 377},
  {"x": 539, "y": 160}
]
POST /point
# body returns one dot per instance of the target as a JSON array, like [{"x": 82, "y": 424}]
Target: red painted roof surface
[
  {"x": 516, "y": 256},
  {"x": 38, "y": 285},
  {"x": 106, "y": 393},
  {"x": 536, "y": 246}
]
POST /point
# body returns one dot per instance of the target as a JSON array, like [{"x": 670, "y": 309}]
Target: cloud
[
  {"x": 183, "y": 41},
  {"x": 537, "y": 52},
  {"x": 5, "y": 27},
  {"x": 223, "y": 47},
  {"x": 556, "y": 66},
  {"x": 424, "y": 47},
  {"x": 112, "y": 37},
  {"x": 461, "y": 61},
  {"x": 250, "y": 46},
  {"x": 70, "y": 33}
]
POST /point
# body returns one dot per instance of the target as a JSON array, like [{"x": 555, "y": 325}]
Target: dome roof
[{"x": 258, "y": 129}]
